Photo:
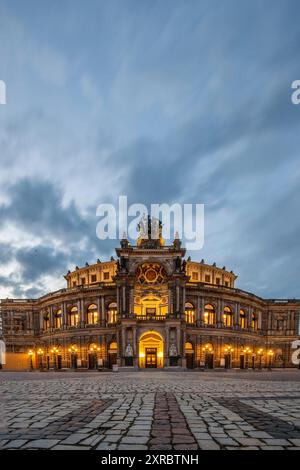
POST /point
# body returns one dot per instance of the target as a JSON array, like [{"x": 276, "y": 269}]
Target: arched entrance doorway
[
  {"x": 189, "y": 355},
  {"x": 112, "y": 354},
  {"x": 151, "y": 350}
]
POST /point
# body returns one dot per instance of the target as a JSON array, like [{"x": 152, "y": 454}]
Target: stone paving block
[
  {"x": 277, "y": 442},
  {"x": 132, "y": 447},
  {"x": 69, "y": 447},
  {"x": 208, "y": 444},
  {"x": 41, "y": 444},
  {"x": 15, "y": 444},
  {"x": 106, "y": 446}
]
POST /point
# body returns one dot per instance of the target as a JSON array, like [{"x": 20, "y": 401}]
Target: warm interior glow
[{"x": 151, "y": 341}]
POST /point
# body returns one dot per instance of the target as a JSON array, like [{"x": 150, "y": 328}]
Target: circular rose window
[{"x": 150, "y": 275}]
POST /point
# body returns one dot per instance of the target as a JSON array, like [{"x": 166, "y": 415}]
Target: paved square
[{"x": 156, "y": 410}]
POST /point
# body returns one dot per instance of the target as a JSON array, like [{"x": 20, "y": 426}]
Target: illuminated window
[
  {"x": 254, "y": 321},
  {"x": 242, "y": 319},
  {"x": 209, "y": 314},
  {"x": 112, "y": 313},
  {"x": 73, "y": 316},
  {"x": 189, "y": 313},
  {"x": 58, "y": 319},
  {"x": 227, "y": 316},
  {"x": 46, "y": 321},
  {"x": 92, "y": 314},
  {"x": 195, "y": 276}
]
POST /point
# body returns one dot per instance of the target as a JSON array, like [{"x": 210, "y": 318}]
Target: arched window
[
  {"x": 209, "y": 315},
  {"x": 58, "y": 319},
  {"x": 189, "y": 313},
  {"x": 73, "y": 316},
  {"x": 254, "y": 321},
  {"x": 92, "y": 314},
  {"x": 112, "y": 313},
  {"x": 46, "y": 321},
  {"x": 227, "y": 316},
  {"x": 242, "y": 321}
]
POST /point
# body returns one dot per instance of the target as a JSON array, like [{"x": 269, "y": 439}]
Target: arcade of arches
[{"x": 150, "y": 308}]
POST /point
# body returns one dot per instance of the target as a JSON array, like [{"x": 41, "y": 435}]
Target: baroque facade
[{"x": 150, "y": 308}]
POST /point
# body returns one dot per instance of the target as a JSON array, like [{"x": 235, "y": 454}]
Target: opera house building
[{"x": 148, "y": 308}]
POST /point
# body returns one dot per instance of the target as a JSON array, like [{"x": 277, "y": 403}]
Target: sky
[{"x": 162, "y": 101}]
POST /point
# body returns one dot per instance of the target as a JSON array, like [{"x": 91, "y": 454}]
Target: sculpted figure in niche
[
  {"x": 173, "y": 350},
  {"x": 128, "y": 351}
]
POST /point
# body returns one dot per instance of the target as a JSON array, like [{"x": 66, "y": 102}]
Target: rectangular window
[
  {"x": 93, "y": 278},
  {"x": 207, "y": 278},
  {"x": 151, "y": 311},
  {"x": 74, "y": 283},
  {"x": 195, "y": 276},
  {"x": 218, "y": 281},
  {"x": 106, "y": 275},
  {"x": 83, "y": 281},
  {"x": 226, "y": 283}
]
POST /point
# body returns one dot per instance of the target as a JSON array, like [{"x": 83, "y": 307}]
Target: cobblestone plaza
[{"x": 150, "y": 410}]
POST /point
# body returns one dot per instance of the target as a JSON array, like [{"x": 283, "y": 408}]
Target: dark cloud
[{"x": 180, "y": 104}]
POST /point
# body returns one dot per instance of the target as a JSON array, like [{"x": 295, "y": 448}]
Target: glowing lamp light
[
  {"x": 30, "y": 352},
  {"x": 160, "y": 354}
]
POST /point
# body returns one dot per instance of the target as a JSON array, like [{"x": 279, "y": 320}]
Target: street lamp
[
  {"x": 260, "y": 353},
  {"x": 55, "y": 351},
  {"x": 40, "y": 353},
  {"x": 270, "y": 354},
  {"x": 30, "y": 355}
]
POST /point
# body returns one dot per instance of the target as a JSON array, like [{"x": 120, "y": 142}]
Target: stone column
[
  {"x": 183, "y": 299},
  {"x": 135, "y": 347},
  {"x": 64, "y": 314},
  {"x": 51, "y": 322},
  {"x": 219, "y": 313},
  {"x": 99, "y": 310},
  {"x": 236, "y": 316},
  {"x": 82, "y": 314},
  {"x": 178, "y": 342},
  {"x": 259, "y": 320},
  {"x": 41, "y": 320},
  {"x": 124, "y": 299},
  {"x": 202, "y": 310},
  {"x": 167, "y": 349},
  {"x": 177, "y": 298},
  {"x": 123, "y": 345},
  {"x": 118, "y": 300},
  {"x": 169, "y": 300},
  {"x": 183, "y": 348},
  {"x": 102, "y": 311},
  {"x": 198, "y": 312},
  {"x": 249, "y": 317},
  {"x": 131, "y": 301}
]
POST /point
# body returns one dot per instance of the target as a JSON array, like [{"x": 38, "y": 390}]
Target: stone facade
[{"x": 149, "y": 308}]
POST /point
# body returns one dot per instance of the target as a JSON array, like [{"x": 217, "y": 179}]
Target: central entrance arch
[{"x": 151, "y": 350}]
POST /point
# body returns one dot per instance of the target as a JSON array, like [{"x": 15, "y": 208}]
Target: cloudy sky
[{"x": 162, "y": 101}]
